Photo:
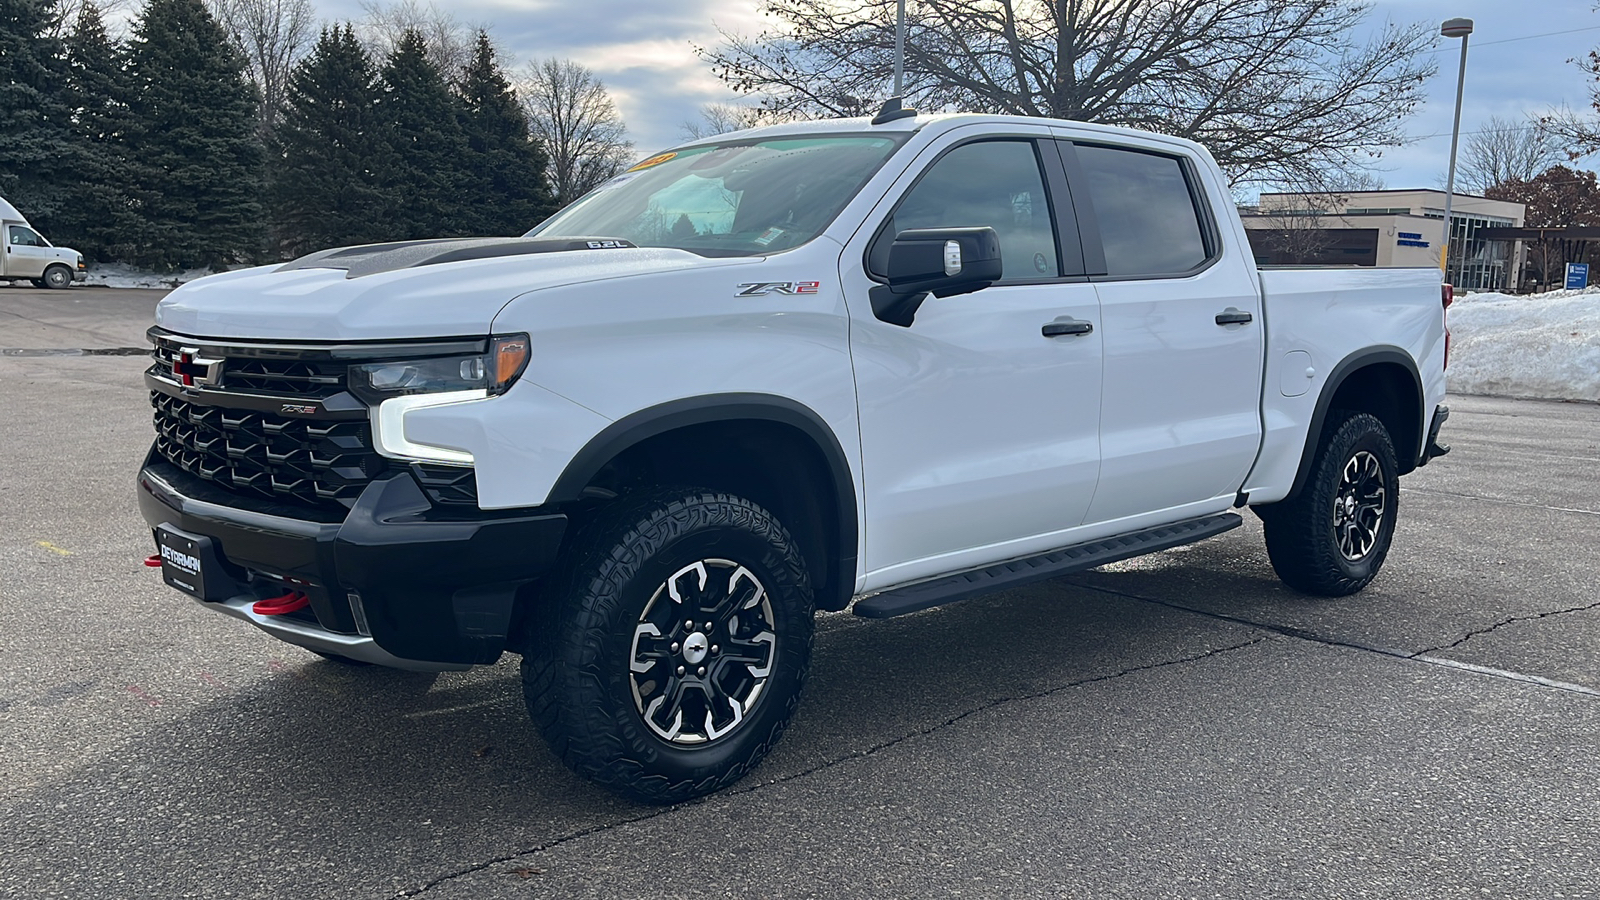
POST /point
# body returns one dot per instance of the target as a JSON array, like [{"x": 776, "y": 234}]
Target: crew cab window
[
  {"x": 26, "y": 237},
  {"x": 1145, "y": 209},
  {"x": 993, "y": 183}
]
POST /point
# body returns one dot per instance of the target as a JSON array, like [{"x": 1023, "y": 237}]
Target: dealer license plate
[{"x": 182, "y": 566}]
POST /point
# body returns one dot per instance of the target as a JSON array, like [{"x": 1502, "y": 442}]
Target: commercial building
[{"x": 1388, "y": 229}]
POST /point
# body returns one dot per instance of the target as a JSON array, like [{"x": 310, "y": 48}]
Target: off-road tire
[
  {"x": 576, "y": 676},
  {"x": 1303, "y": 538},
  {"x": 57, "y": 277}
]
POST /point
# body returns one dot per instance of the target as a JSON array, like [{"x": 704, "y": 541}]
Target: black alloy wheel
[
  {"x": 1332, "y": 538},
  {"x": 1359, "y": 506},
  {"x": 702, "y": 652},
  {"x": 670, "y": 651}
]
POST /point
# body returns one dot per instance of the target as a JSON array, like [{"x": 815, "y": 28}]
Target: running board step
[{"x": 1018, "y": 572}]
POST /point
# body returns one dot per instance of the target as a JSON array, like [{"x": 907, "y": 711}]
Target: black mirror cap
[
  {"x": 917, "y": 261},
  {"x": 916, "y": 268}
]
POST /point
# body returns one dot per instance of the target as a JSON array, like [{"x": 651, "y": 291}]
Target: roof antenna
[{"x": 892, "y": 108}]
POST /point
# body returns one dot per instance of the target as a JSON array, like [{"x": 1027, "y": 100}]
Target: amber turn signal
[{"x": 508, "y": 356}]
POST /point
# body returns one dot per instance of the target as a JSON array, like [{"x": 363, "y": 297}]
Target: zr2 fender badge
[
  {"x": 762, "y": 288},
  {"x": 297, "y": 409}
]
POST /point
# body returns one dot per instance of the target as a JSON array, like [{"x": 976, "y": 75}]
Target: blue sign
[{"x": 1577, "y": 276}]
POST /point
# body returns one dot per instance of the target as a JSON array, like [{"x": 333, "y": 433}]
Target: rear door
[
  {"x": 1181, "y": 320},
  {"x": 978, "y": 431}
]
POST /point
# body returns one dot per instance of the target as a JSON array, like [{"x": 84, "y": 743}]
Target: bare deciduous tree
[
  {"x": 571, "y": 113},
  {"x": 721, "y": 118},
  {"x": 449, "y": 40},
  {"x": 1503, "y": 151},
  {"x": 272, "y": 35},
  {"x": 67, "y": 12},
  {"x": 1277, "y": 89}
]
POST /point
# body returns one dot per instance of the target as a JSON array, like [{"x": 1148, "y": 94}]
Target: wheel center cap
[
  {"x": 1350, "y": 505},
  {"x": 694, "y": 648}
]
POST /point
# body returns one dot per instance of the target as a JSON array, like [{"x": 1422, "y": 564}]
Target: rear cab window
[{"x": 1151, "y": 216}]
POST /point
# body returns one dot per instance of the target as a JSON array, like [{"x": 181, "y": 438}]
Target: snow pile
[
  {"x": 1545, "y": 346},
  {"x": 118, "y": 275}
]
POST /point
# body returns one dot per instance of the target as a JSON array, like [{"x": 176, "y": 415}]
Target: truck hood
[{"x": 414, "y": 290}]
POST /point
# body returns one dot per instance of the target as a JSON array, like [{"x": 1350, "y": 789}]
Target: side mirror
[{"x": 943, "y": 262}]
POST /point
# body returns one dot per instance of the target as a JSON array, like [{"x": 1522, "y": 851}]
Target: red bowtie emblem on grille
[{"x": 187, "y": 368}]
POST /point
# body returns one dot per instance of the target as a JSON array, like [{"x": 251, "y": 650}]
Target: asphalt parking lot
[{"x": 1176, "y": 726}]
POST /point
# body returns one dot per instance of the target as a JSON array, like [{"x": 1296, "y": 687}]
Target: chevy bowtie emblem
[{"x": 193, "y": 371}]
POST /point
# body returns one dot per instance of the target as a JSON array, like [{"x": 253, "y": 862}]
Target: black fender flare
[
  {"x": 644, "y": 424},
  {"x": 1368, "y": 356}
]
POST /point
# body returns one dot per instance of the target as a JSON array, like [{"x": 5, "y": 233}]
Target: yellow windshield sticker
[{"x": 656, "y": 160}]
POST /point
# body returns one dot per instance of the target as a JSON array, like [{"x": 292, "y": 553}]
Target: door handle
[
  {"x": 1066, "y": 325},
  {"x": 1234, "y": 316}
]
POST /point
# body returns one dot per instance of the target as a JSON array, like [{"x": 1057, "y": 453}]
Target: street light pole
[
  {"x": 900, "y": 49},
  {"x": 1453, "y": 28}
]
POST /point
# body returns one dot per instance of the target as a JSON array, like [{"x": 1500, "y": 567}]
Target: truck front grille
[
  {"x": 282, "y": 375},
  {"x": 219, "y": 416},
  {"x": 270, "y": 455}
]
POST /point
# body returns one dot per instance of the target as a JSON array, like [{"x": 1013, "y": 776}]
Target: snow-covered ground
[
  {"x": 117, "y": 275},
  {"x": 1544, "y": 346}
]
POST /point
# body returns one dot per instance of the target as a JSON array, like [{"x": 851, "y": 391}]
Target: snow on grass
[
  {"x": 1545, "y": 346},
  {"x": 117, "y": 275}
]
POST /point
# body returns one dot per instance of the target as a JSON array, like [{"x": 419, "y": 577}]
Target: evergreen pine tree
[
  {"x": 191, "y": 131},
  {"x": 98, "y": 217},
  {"x": 35, "y": 141},
  {"x": 429, "y": 181},
  {"x": 330, "y": 156},
  {"x": 510, "y": 193}
]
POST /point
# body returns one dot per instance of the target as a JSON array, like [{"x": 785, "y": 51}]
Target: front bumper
[{"x": 395, "y": 581}]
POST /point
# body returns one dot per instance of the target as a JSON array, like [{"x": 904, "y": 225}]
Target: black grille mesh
[
  {"x": 273, "y": 456},
  {"x": 453, "y": 485}
]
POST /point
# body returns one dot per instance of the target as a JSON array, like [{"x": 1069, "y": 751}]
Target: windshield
[{"x": 745, "y": 198}]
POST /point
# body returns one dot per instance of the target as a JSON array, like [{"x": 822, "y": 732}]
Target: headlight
[
  {"x": 492, "y": 372},
  {"x": 394, "y": 389}
]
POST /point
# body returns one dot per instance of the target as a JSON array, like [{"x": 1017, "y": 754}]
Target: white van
[{"x": 29, "y": 256}]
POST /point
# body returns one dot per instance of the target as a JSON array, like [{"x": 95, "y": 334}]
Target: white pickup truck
[{"x": 878, "y": 365}]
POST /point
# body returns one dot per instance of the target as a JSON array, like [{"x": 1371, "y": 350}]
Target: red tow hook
[
  {"x": 153, "y": 560},
  {"x": 277, "y": 606}
]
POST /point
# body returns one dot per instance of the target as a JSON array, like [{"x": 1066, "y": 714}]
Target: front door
[
  {"x": 26, "y": 252},
  {"x": 978, "y": 431}
]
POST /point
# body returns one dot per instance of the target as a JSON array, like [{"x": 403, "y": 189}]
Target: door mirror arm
[{"x": 943, "y": 262}]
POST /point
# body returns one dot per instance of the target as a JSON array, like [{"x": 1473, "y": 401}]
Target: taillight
[{"x": 1448, "y": 291}]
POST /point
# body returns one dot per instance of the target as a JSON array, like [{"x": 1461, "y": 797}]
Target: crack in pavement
[
  {"x": 1422, "y": 656},
  {"x": 1585, "y": 512},
  {"x": 76, "y": 351},
  {"x": 820, "y": 767},
  {"x": 1514, "y": 619}
]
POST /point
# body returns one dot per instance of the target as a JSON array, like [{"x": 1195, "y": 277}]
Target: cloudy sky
[{"x": 645, "y": 54}]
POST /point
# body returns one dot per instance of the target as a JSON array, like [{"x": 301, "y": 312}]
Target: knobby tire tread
[{"x": 564, "y": 677}]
